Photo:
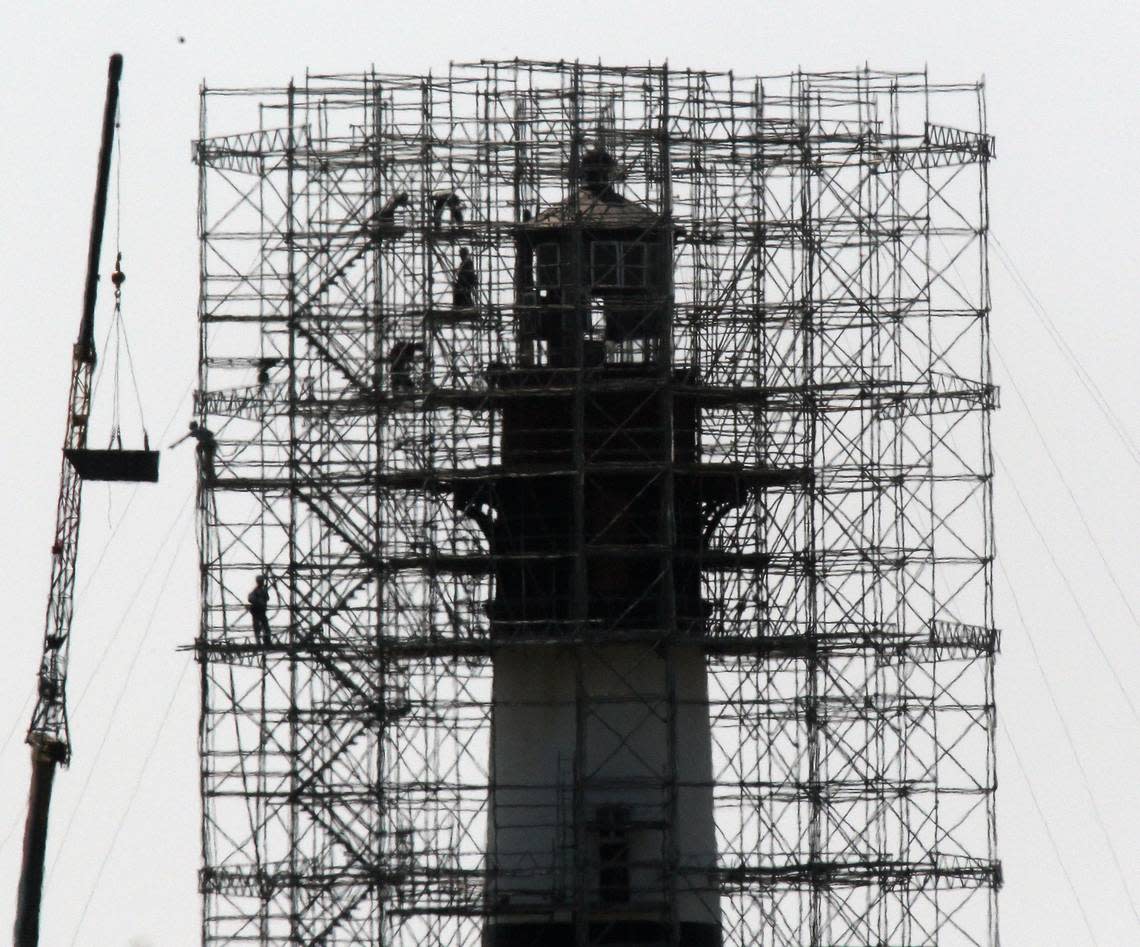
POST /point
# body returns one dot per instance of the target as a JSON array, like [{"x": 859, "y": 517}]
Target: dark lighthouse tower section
[{"x": 601, "y": 807}]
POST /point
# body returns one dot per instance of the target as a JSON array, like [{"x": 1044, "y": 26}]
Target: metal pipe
[
  {"x": 45, "y": 759},
  {"x": 99, "y": 210}
]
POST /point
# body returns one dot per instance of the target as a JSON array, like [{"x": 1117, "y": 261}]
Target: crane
[{"x": 48, "y": 734}]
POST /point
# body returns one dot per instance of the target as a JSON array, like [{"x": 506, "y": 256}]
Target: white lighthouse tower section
[{"x": 611, "y": 740}]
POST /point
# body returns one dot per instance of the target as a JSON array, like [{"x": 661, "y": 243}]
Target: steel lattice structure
[{"x": 824, "y": 322}]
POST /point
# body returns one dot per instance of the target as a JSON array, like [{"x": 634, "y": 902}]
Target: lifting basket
[{"x": 135, "y": 466}]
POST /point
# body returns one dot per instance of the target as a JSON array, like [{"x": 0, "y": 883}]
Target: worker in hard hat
[{"x": 258, "y": 604}]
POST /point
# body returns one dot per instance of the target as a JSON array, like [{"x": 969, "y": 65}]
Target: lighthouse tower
[
  {"x": 618, "y": 441},
  {"x": 601, "y": 808}
]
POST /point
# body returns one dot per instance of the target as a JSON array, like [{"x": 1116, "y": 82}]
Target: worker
[
  {"x": 394, "y": 203},
  {"x": 450, "y": 200},
  {"x": 207, "y": 449},
  {"x": 463, "y": 290},
  {"x": 263, "y": 367},
  {"x": 384, "y": 219},
  {"x": 258, "y": 610},
  {"x": 401, "y": 359}
]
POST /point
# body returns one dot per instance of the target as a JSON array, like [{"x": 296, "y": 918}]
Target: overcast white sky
[{"x": 1062, "y": 84}]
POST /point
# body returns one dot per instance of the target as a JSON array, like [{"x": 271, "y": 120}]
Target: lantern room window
[
  {"x": 614, "y": 881},
  {"x": 604, "y": 270},
  {"x": 633, "y": 265},
  {"x": 617, "y": 264},
  {"x": 548, "y": 265}
]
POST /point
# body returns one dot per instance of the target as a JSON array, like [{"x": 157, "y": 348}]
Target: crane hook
[{"x": 118, "y": 277}]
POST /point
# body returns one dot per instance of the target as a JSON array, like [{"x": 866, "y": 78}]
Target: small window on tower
[
  {"x": 614, "y": 886},
  {"x": 548, "y": 265},
  {"x": 605, "y": 259},
  {"x": 633, "y": 265}
]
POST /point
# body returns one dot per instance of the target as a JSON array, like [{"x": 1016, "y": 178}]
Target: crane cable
[
  {"x": 124, "y": 686},
  {"x": 118, "y": 628},
  {"x": 118, "y": 323}
]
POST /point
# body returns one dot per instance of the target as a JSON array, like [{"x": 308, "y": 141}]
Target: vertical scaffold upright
[{"x": 615, "y": 442}]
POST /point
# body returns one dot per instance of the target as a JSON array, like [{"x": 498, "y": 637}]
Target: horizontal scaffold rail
[
  {"x": 781, "y": 145},
  {"x": 944, "y": 641},
  {"x": 866, "y": 478},
  {"x": 892, "y": 399},
  {"x": 942, "y": 871}
]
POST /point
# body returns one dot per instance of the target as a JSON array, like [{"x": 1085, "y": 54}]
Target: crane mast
[{"x": 48, "y": 734}]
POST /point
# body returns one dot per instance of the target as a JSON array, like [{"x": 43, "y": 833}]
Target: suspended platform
[{"x": 133, "y": 466}]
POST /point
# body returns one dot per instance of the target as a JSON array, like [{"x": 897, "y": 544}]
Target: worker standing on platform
[
  {"x": 259, "y": 610},
  {"x": 207, "y": 449},
  {"x": 466, "y": 279}
]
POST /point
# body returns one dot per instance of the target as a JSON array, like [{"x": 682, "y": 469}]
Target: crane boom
[{"x": 48, "y": 734}]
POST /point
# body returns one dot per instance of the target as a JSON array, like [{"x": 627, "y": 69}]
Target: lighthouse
[
  {"x": 619, "y": 440},
  {"x": 600, "y": 816}
]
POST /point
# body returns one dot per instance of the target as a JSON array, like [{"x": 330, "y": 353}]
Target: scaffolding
[{"x": 821, "y": 325}]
